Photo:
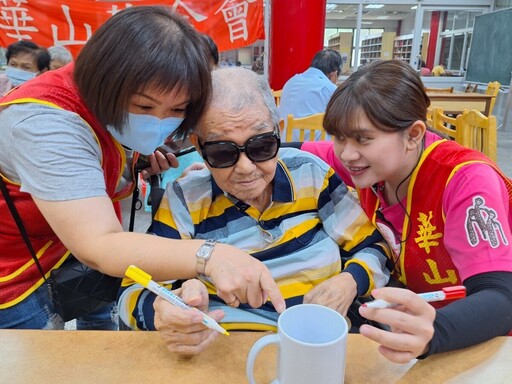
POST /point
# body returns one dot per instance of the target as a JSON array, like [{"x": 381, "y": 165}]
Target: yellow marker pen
[{"x": 144, "y": 279}]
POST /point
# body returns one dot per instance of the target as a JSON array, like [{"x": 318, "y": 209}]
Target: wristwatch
[{"x": 203, "y": 255}]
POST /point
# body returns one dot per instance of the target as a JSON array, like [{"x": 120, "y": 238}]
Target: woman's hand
[
  {"x": 242, "y": 279},
  {"x": 181, "y": 329},
  {"x": 337, "y": 293},
  {"x": 159, "y": 163},
  {"x": 411, "y": 323}
]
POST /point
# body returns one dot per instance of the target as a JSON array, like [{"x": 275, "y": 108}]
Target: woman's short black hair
[
  {"x": 137, "y": 48},
  {"x": 211, "y": 49}
]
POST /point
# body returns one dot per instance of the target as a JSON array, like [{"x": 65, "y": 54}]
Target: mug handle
[{"x": 255, "y": 350}]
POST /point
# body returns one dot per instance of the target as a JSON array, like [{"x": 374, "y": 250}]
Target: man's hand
[
  {"x": 337, "y": 293},
  {"x": 193, "y": 167},
  {"x": 181, "y": 329}
]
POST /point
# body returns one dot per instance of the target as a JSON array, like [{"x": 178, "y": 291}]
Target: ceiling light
[
  {"x": 374, "y": 6},
  {"x": 414, "y": 7}
]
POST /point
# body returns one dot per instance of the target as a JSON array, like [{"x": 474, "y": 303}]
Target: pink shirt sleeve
[
  {"x": 325, "y": 151},
  {"x": 478, "y": 221}
]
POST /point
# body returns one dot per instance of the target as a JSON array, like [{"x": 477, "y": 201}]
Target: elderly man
[
  {"x": 59, "y": 57},
  {"x": 285, "y": 207}
]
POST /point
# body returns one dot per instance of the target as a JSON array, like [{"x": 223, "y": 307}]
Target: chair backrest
[
  {"x": 493, "y": 89},
  {"x": 439, "y": 90},
  {"x": 311, "y": 123},
  {"x": 445, "y": 124},
  {"x": 478, "y": 131},
  {"x": 470, "y": 88},
  {"x": 430, "y": 115},
  {"x": 277, "y": 96}
]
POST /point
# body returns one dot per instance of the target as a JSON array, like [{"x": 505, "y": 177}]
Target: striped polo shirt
[{"x": 312, "y": 227}]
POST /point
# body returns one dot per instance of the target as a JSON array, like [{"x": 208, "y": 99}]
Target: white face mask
[
  {"x": 18, "y": 76},
  {"x": 145, "y": 133}
]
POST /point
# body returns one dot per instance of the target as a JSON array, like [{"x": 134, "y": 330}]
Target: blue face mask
[
  {"x": 145, "y": 133},
  {"x": 18, "y": 76}
]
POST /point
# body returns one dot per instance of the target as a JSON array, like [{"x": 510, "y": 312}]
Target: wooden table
[
  {"x": 455, "y": 103},
  {"x": 110, "y": 357}
]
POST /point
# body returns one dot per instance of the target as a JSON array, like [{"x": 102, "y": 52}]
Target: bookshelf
[
  {"x": 402, "y": 47},
  {"x": 342, "y": 42},
  {"x": 377, "y": 46}
]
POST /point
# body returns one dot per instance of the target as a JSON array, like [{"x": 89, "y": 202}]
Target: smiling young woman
[{"x": 445, "y": 210}]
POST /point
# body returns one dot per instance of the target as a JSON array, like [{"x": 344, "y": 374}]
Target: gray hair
[
  {"x": 60, "y": 53},
  {"x": 238, "y": 88}
]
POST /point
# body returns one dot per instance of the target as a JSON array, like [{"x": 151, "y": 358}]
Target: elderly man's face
[{"x": 247, "y": 180}]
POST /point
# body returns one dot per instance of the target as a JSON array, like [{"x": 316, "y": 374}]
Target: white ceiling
[{"x": 349, "y": 12}]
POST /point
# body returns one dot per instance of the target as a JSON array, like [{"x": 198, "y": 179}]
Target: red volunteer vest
[
  {"x": 19, "y": 276},
  {"x": 425, "y": 264}
]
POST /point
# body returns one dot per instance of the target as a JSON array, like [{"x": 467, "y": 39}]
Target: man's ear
[
  {"x": 415, "y": 133},
  {"x": 194, "y": 139},
  {"x": 333, "y": 76}
]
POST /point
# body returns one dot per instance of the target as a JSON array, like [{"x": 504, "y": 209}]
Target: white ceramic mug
[{"x": 311, "y": 341}]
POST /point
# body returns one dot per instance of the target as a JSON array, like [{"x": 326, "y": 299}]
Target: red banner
[{"x": 70, "y": 23}]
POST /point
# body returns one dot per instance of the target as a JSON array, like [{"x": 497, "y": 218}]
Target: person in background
[
  {"x": 225, "y": 63},
  {"x": 59, "y": 56},
  {"x": 440, "y": 70},
  {"x": 424, "y": 70},
  {"x": 25, "y": 60},
  {"x": 444, "y": 209},
  {"x": 308, "y": 93},
  {"x": 286, "y": 208},
  {"x": 67, "y": 139},
  {"x": 363, "y": 63},
  {"x": 257, "y": 66},
  {"x": 212, "y": 51}
]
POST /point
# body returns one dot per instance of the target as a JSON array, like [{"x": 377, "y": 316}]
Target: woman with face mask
[
  {"x": 66, "y": 138},
  {"x": 25, "y": 60}
]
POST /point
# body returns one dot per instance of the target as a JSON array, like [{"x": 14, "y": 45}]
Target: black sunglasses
[{"x": 225, "y": 154}]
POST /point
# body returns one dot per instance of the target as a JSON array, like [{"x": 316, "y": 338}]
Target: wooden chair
[
  {"x": 478, "y": 131},
  {"x": 311, "y": 123},
  {"x": 493, "y": 89},
  {"x": 439, "y": 90},
  {"x": 445, "y": 125},
  {"x": 277, "y": 96},
  {"x": 471, "y": 88},
  {"x": 430, "y": 113}
]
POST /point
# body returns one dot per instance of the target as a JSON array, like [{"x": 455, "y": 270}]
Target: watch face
[{"x": 206, "y": 249}]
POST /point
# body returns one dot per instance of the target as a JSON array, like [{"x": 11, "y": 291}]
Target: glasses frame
[{"x": 242, "y": 148}]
